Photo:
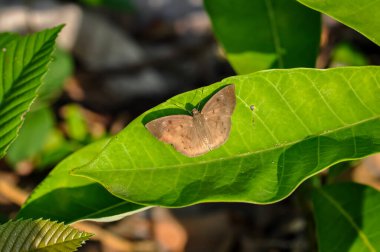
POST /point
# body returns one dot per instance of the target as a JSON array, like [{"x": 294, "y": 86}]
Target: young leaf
[
  {"x": 69, "y": 198},
  {"x": 264, "y": 34},
  {"x": 40, "y": 235},
  {"x": 347, "y": 217},
  {"x": 361, "y": 15},
  {"x": 6, "y": 38},
  {"x": 23, "y": 62},
  {"x": 288, "y": 125}
]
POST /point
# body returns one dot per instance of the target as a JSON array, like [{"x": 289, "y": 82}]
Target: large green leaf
[
  {"x": 23, "y": 62},
  {"x": 303, "y": 120},
  {"x": 69, "y": 198},
  {"x": 264, "y": 34},
  {"x": 40, "y": 236},
  {"x": 347, "y": 217},
  {"x": 361, "y": 15}
]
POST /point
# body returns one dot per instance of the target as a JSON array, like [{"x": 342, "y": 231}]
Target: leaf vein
[
  {"x": 324, "y": 100},
  {"x": 288, "y": 105},
  {"x": 357, "y": 96}
]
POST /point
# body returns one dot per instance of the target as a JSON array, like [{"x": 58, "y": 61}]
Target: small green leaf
[
  {"x": 23, "y": 62},
  {"x": 347, "y": 217},
  {"x": 345, "y": 54},
  {"x": 303, "y": 121},
  {"x": 75, "y": 122},
  {"x": 70, "y": 198},
  {"x": 40, "y": 235},
  {"x": 361, "y": 15},
  {"x": 264, "y": 34}
]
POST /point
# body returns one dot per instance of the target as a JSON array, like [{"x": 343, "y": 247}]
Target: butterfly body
[{"x": 203, "y": 131}]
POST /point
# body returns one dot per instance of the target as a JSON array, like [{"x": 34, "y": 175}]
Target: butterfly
[{"x": 202, "y": 132}]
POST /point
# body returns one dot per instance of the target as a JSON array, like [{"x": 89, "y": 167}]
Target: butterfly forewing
[
  {"x": 217, "y": 113},
  {"x": 221, "y": 103}
]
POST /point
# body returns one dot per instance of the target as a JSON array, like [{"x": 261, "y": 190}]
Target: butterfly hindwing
[{"x": 179, "y": 131}]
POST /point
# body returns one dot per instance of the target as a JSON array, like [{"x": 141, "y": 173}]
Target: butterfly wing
[
  {"x": 217, "y": 113},
  {"x": 179, "y": 131}
]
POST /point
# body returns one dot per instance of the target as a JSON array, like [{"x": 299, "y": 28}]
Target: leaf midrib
[
  {"x": 242, "y": 154},
  {"x": 62, "y": 243}
]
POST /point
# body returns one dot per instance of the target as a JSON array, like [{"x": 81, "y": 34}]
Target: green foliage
[
  {"x": 60, "y": 69},
  {"x": 287, "y": 127},
  {"x": 264, "y": 34},
  {"x": 76, "y": 126},
  {"x": 120, "y": 5},
  {"x": 304, "y": 121},
  {"x": 347, "y": 217},
  {"x": 345, "y": 54},
  {"x": 70, "y": 198},
  {"x": 6, "y": 38},
  {"x": 40, "y": 122},
  {"x": 32, "y": 136},
  {"x": 23, "y": 62},
  {"x": 40, "y": 235},
  {"x": 361, "y": 15},
  {"x": 55, "y": 149}
]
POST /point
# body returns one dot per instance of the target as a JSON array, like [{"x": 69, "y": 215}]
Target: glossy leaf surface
[{"x": 303, "y": 121}]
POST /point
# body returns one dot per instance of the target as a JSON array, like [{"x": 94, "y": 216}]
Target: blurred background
[{"x": 118, "y": 58}]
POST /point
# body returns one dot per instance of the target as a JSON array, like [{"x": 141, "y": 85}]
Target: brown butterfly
[{"x": 203, "y": 131}]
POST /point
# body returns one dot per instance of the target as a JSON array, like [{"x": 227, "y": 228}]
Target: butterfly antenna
[{"x": 178, "y": 106}]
